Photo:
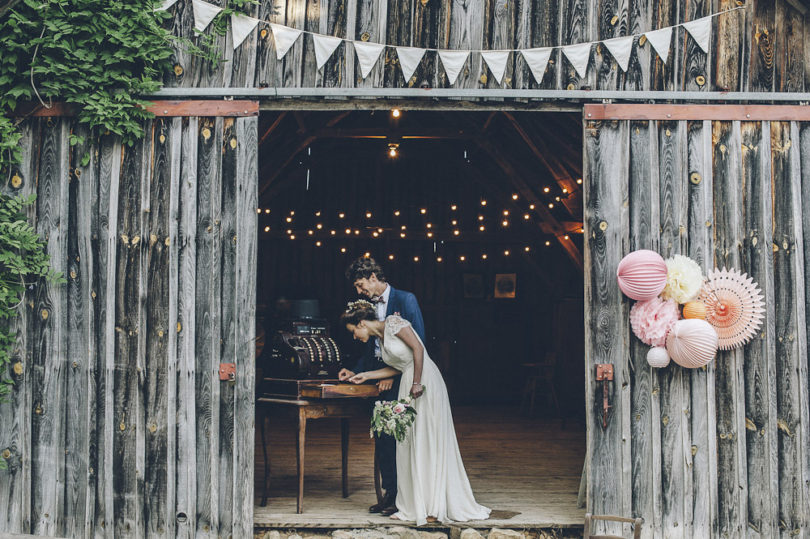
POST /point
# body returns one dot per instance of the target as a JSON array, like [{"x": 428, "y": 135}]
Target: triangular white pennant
[
  {"x": 284, "y": 37},
  {"x": 453, "y": 61},
  {"x": 409, "y": 58},
  {"x": 537, "y": 59},
  {"x": 368, "y": 54},
  {"x": 166, "y": 5},
  {"x": 660, "y": 40},
  {"x": 701, "y": 31},
  {"x": 204, "y": 13},
  {"x": 496, "y": 60},
  {"x": 620, "y": 48},
  {"x": 324, "y": 47},
  {"x": 241, "y": 27},
  {"x": 579, "y": 55}
]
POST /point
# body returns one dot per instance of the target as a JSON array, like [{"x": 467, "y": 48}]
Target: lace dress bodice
[{"x": 395, "y": 352}]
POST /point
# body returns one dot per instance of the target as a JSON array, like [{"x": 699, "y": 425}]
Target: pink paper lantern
[
  {"x": 692, "y": 343},
  {"x": 658, "y": 357},
  {"x": 642, "y": 274}
]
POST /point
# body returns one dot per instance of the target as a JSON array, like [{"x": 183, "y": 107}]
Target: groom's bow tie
[{"x": 377, "y": 299}]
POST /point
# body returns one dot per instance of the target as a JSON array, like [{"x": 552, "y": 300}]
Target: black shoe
[
  {"x": 387, "y": 501},
  {"x": 388, "y": 511}
]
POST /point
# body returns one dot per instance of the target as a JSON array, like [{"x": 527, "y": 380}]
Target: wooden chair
[
  {"x": 540, "y": 379},
  {"x": 589, "y": 518}
]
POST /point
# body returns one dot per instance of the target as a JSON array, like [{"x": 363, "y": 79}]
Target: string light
[
  {"x": 348, "y": 231},
  {"x": 292, "y": 212},
  {"x": 483, "y": 202},
  {"x": 579, "y": 181},
  {"x": 416, "y": 259},
  {"x": 395, "y": 113},
  {"x": 368, "y": 215},
  {"x": 380, "y": 230},
  {"x": 310, "y": 232},
  {"x": 342, "y": 249},
  {"x": 454, "y": 207},
  {"x": 292, "y": 236},
  {"x": 396, "y": 213},
  {"x": 484, "y": 256},
  {"x": 566, "y": 236},
  {"x": 514, "y": 196},
  {"x": 506, "y": 253},
  {"x": 319, "y": 226},
  {"x": 356, "y": 232},
  {"x": 480, "y": 217},
  {"x": 375, "y": 233},
  {"x": 333, "y": 232},
  {"x": 317, "y": 243},
  {"x": 531, "y": 206},
  {"x": 505, "y": 212},
  {"x": 267, "y": 210},
  {"x": 456, "y": 232},
  {"x": 390, "y": 257},
  {"x": 527, "y": 249},
  {"x": 402, "y": 235},
  {"x": 429, "y": 225},
  {"x": 505, "y": 223},
  {"x": 423, "y": 211},
  {"x": 267, "y": 229},
  {"x": 548, "y": 243},
  {"x": 403, "y": 227},
  {"x": 546, "y": 189},
  {"x": 289, "y": 231},
  {"x": 430, "y": 234},
  {"x": 438, "y": 259},
  {"x": 565, "y": 190},
  {"x": 393, "y": 150},
  {"x": 454, "y": 222},
  {"x": 289, "y": 219},
  {"x": 318, "y": 213},
  {"x": 462, "y": 258},
  {"x": 527, "y": 216},
  {"x": 341, "y": 215},
  {"x": 557, "y": 199},
  {"x": 481, "y": 228},
  {"x": 550, "y": 205},
  {"x": 258, "y": 210},
  {"x": 367, "y": 254}
]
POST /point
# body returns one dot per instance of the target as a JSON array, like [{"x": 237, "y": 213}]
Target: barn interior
[{"x": 479, "y": 214}]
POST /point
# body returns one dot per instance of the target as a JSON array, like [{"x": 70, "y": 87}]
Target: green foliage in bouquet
[{"x": 393, "y": 418}]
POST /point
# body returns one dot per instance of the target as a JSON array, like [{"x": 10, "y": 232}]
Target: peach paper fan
[{"x": 734, "y": 306}]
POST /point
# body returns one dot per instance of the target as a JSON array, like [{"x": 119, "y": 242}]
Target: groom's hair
[{"x": 362, "y": 268}]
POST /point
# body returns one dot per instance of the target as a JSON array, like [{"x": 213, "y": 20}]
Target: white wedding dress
[{"x": 431, "y": 480}]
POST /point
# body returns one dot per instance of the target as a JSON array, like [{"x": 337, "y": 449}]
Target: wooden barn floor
[{"x": 526, "y": 470}]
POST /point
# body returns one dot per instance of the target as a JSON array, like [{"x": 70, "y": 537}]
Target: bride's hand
[
  {"x": 358, "y": 378},
  {"x": 417, "y": 390}
]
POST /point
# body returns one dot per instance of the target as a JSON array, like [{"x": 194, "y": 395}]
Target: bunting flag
[
  {"x": 409, "y": 58},
  {"x": 367, "y": 53},
  {"x": 660, "y": 40},
  {"x": 537, "y": 59},
  {"x": 620, "y": 48},
  {"x": 453, "y": 61},
  {"x": 241, "y": 27},
  {"x": 496, "y": 61},
  {"x": 324, "y": 47},
  {"x": 701, "y": 32},
  {"x": 204, "y": 13},
  {"x": 579, "y": 55},
  {"x": 285, "y": 38},
  {"x": 166, "y": 5}
]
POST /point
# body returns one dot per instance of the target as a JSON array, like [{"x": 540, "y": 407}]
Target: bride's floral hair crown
[
  {"x": 357, "y": 311},
  {"x": 354, "y": 305}
]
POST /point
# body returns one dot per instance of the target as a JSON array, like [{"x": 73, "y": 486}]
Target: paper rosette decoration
[
  {"x": 734, "y": 306},
  {"x": 692, "y": 343},
  {"x": 658, "y": 357},
  {"x": 684, "y": 279},
  {"x": 642, "y": 274},
  {"x": 651, "y": 320}
]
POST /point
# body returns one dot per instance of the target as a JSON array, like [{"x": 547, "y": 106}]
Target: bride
[{"x": 431, "y": 481}]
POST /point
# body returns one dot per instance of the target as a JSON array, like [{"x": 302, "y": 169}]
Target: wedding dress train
[{"x": 431, "y": 480}]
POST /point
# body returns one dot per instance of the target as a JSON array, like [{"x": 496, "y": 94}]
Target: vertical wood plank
[
  {"x": 185, "y": 252},
  {"x": 128, "y": 410},
  {"x": 791, "y": 362},
  {"x": 612, "y": 19},
  {"x": 334, "y": 71},
  {"x": 371, "y": 25},
  {"x": 50, "y": 354},
  {"x": 110, "y": 161},
  {"x": 726, "y": 41},
  {"x": 606, "y": 337},
  {"x": 81, "y": 385},
  {"x": 804, "y": 151},
  {"x": 156, "y": 317},
  {"x": 207, "y": 322},
  {"x": 694, "y": 63},
  {"x": 227, "y": 336},
  {"x": 466, "y": 23},
  {"x": 269, "y": 70},
  {"x": 645, "y": 401},
  {"x": 577, "y": 26},
  {"x": 703, "y": 416},
  {"x": 294, "y": 59},
  {"x": 501, "y": 35},
  {"x": 732, "y": 493},
  {"x": 523, "y": 40},
  {"x": 789, "y": 64},
  {"x": 639, "y": 70},
  {"x": 426, "y": 29},
  {"x": 182, "y": 25},
  {"x": 246, "y": 245},
  {"x": 15, "y": 414},
  {"x": 676, "y": 455},
  {"x": 760, "y": 375},
  {"x": 205, "y": 74},
  {"x": 546, "y": 32},
  {"x": 760, "y": 75},
  {"x": 243, "y": 74}
]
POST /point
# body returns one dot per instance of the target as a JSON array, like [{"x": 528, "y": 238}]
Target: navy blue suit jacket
[{"x": 406, "y": 305}]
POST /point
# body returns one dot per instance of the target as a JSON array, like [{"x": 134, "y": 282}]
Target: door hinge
[
  {"x": 604, "y": 374},
  {"x": 227, "y": 372}
]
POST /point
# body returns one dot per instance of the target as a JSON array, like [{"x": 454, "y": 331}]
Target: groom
[{"x": 368, "y": 278}]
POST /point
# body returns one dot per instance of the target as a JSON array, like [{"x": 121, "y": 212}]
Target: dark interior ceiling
[{"x": 528, "y": 165}]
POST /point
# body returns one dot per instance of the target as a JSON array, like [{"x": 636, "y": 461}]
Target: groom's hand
[
  {"x": 358, "y": 378},
  {"x": 345, "y": 374},
  {"x": 385, "y": 385}
]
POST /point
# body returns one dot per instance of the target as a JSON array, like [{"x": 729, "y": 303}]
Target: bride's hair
[{"x": 357, "y": 311}]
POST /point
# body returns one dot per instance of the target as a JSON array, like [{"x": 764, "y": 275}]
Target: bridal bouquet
[{"x": 393, "y": 417}]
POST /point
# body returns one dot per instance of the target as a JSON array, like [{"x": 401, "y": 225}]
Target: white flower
[
  {"x": 399, "y": 408},
  {"x": 684, "y": 279},
  {"x": 378, "y": 403}
]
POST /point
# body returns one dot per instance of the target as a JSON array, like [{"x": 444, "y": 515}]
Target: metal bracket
[
  {"x": 604, "y": 374},
  {"x": 227, "y": 372}
]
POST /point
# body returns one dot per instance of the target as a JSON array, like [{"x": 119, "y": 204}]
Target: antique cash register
[{"x": 300, "y": 368}]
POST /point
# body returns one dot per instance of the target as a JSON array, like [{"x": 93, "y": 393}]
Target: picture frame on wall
[
  {"x": 505, "y": 285},
  {"x": 473, "y": 285}
]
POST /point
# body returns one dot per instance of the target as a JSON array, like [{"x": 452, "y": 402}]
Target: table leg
[
  {"x": 344, "y": 454},
  {"x": 263, "y": 417},
  {"x": 299, "y": 452}
]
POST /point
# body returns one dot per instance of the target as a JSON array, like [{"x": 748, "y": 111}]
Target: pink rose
[{"x": 399, "y": 408}]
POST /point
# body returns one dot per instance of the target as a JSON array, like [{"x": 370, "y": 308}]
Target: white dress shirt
[{"x": 381, "y": 306}]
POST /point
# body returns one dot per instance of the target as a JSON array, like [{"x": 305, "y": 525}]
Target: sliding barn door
[
  {"x": 723, "y": 450},
  {"x": 118, "y": 424}
]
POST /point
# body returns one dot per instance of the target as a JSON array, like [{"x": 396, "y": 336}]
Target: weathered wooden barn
[{"x": 119, "y": 424}]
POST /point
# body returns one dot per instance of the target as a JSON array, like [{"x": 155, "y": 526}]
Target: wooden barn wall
[
  {"x": 763, "y": 47},
  {"x": 118, "y": 424},
  {"x": 723, "y": 450}
]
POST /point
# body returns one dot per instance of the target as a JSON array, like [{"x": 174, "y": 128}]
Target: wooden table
[{"x": 313, "y": 409}]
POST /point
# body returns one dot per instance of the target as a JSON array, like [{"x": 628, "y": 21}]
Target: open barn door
[
  {"x": 715, "y": 451},
  {"x": 119, "y": 424}
]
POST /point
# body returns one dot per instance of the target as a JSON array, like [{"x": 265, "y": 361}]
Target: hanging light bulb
[
  {"x": 480, "y": 217},
  {"x": 318, "y": 213},
  {"x": 289, "y": 219},
  {"x": 292, "y": 236},
  {"x": 317, "y": 244},
  {"x": 396, "y": 113},
  {"x": 403, "y": 227},
  {"x": 454, "y": 207},
  {"x": 393, "y": 150},
  {"x": 402, "y": 235},
  {"x": 375, "y": 233},
  {"x": 333, "y": 232},
  {"x": 430, "y": 234},
  {"x": 505, "y": 223},
  {"x": 456, "y": 232},
  {"x": 380, "y": 230},
  {"x": 484, "y": 256},
  {"x": 505, "y": 213},
  {"x": 348, "y": 231},
  {"x": 356, "y": 232},
  {"x": 367, "y": 254},
  {"x": 462, "y": 258},
  {"x": 423, "y": 211},
  {"x": 546, "y": 189},
  {"x": 527, "y": 249},
  {"x": 267, "y": 210},
  {"x": 526, "y": 216},
  {"x": 341, "y": 215},
  {"x": 267, "y": 229},
  {"x": 506, "y": 253},
  {"x": 550, "y": 205},
  {"x": 289, "y": 231},
  {"x": 531, "y": 206},
  {"x": 481, "y": 228},
  {"x": 416, "y": 259},
  {"x": 368, "y": 215},
  {"x": 258, "y": 210},
  {"x": 429, "y": 225},
  {"x": 390, "y": 257},
  {"x": 579, "y": 180},
  {"x": 557, "y": 199},
  {"x": 566, "y": 236},
  {"x": 310, "y": 232},
  {"x": 319, "y": 226},
  {"x": 483, "y": 202},
  {"x": 342, "y": 249},
  {"x": 454, "y": 222},
  {"x": 548, "y": 243},
  {"x": 396, "y": 213},
  {"x": 565, "y": 190},
  {"x": 438, "y": 259},
  {"x": 514, "y": 196}
]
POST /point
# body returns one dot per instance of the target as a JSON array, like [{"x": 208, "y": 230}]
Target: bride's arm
[
  {"x": 409, "y": 337},
  {"x": 379, "y": 374}
]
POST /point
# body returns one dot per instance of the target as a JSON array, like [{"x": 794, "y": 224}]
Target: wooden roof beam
[{"x": 273, "y": 127}]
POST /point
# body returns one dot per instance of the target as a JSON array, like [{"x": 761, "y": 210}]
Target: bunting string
[{"x": 453, "y": 61}]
